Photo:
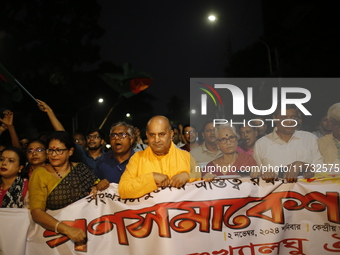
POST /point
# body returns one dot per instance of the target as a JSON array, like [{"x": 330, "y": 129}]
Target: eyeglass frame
[
  {"x": 335, "y": 124},
  {"x": 224, "y": 140},
  {"x": 37, "y": 150},
  {"x": 190, "y": 132},
  {"x": 121, "y": 135},
  {"x": 57, "y": 151},
  {"x": 95, "y": 137}
]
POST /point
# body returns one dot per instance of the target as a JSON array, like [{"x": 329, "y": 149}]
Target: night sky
[{"x": 174, "y": 41}]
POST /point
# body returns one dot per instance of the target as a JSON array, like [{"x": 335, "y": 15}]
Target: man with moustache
[
  {"x": 112, "y": 165},
  {"x": 286, "y": 148},
  {"x": 248, "y": 138},
  {"x": 208, "y": 151},
  {"x": 190, "y": 137},
  {"x": 161, "y": 164}
]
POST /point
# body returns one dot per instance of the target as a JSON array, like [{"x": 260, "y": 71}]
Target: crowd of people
[{"x": 56, "y": 169}]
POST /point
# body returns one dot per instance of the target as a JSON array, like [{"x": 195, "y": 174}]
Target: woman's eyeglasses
[
  {"x": 37, "y": 150},
  {"x": 224, "y": 140},
  {"x": 57, "y": 151}
]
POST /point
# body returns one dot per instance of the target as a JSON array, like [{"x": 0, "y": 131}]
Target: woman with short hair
[
  {"x": 61, "y": 183},
  {"x": 231, "y": 162}
]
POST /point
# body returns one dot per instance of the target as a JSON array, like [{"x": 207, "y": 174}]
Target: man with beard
[
  {"x": 95, "y": 141},
  {"x": 161, "y": 164},
  {"x": 112, "y": 165},
  {"x": 190, "y": 137},
  {"x": 208, "y": 151}
]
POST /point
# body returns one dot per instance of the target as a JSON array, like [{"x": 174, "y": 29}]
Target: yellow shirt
[
  {"x": 137, "y": 179},
  {"x": 42, "y": 183},
  {"x": 40, "y": 186}
]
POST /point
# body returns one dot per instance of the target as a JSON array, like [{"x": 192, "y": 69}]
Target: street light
[{"x": 212, "y": 18}]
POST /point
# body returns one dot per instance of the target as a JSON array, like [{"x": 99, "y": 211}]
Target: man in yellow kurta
[{"x": 162, "y": 164}]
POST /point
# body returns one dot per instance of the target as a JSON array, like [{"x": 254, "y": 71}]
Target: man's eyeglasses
[
  {"x": 95, "y": 137},
  {"x": 121, "y": 135},
  {"x": 37, "y": 150},
  {"x": 57, "y": 151},
  {"x": 224, "y": 140},
  {"x": 190, "y": 132},
  {"x": 335, "y": 124}
]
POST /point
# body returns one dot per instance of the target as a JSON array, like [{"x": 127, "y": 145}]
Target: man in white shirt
[{"x": 287, "y": 150}]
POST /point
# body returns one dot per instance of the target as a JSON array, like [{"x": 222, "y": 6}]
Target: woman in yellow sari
[{"x": 59, "y": 184}]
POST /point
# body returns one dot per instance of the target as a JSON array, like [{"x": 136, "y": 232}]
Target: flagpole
[
  {"x": 119, "y": 99},
  {"x": 26, "y": 90}
]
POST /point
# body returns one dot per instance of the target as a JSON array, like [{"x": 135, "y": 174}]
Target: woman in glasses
[
  {"x": 231, "y": 162},
  {"x": 36, "y": 156},
  {"x": 36, "y": 150},
  {"x": 59, "y": 184},
  {"x": 13, "y": 185}
]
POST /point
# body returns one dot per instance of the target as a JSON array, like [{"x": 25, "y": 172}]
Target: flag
[
  {"x": 129, "y": 82},
  {"x": 7, "y": 82}
]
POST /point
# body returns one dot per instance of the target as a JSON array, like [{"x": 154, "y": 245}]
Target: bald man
[{"x": 162, "y": 164}]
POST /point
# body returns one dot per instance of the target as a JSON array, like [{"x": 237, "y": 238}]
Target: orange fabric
[{"x": 137, "y": 179}]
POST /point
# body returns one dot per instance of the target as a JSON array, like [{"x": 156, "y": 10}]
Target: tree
[{"x": 45, "y": 44}]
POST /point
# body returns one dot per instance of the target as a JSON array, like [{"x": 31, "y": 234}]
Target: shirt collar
[
  {"x": 112, "y": 156},
  {"x": 274, "y": 136}
]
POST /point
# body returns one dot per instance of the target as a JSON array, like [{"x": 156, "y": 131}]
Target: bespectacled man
[{"x": 113, "y": 164}]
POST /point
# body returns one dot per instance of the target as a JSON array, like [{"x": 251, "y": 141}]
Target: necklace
[{"x": 56, "y": 171}]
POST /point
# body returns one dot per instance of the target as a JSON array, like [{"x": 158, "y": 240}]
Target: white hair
[
  {"x": 334, "y": 112},
  {"x": 130, "y": 128}
]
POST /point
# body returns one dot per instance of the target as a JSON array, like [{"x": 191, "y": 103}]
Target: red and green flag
[{"x": 129, "y": 82}]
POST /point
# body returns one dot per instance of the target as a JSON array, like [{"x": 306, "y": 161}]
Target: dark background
[{"x": 57, "y": 49}]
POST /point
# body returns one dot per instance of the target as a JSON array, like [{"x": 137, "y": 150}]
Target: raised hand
[
  {"x": 8, "y": 118},
  {"x": 43, "y": 106}
]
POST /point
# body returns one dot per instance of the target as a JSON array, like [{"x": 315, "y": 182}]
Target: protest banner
[{"x": 227, "y": 216}]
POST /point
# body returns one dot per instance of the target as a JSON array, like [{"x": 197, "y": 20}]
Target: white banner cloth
[{"x": 239, "y": 216}]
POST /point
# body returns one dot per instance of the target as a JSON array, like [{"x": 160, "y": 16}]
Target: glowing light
[
  {"x": 212, "y": 18},
  {"x": 100, "y": 100},
  {"x": 128, "y": 115},
  {"x": 193, "y": 111}
]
